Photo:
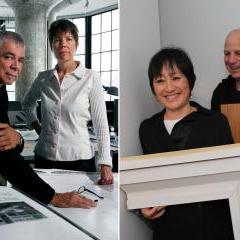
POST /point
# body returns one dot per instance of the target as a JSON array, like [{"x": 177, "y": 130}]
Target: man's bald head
[
  {"x": 232, "y": 53},
  {"x": 234, "y": 35}
]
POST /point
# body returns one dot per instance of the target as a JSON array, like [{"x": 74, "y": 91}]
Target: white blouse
[{"x": 66, "y": 110}]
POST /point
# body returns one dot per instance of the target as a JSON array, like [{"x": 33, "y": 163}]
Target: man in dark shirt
[
  {"x": 228, "y": 91},
  {"x": 12, "y": 165}
]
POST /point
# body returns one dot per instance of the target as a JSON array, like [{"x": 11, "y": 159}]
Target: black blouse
[
  {"x": 225, "y": 93},
  {"x": 203, "y": 128}
]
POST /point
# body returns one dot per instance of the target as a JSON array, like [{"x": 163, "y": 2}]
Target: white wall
[
  {"x": 132, "y": 226},
  {"x": 200, "y": 27},
  {"x": 139, "y": 40}
]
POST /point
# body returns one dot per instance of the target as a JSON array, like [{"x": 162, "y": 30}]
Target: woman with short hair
[
  {"x": 71, "y": 95},
  {"x": 183, "y": 124}
]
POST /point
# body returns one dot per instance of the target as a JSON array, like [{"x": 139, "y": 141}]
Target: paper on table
[
  {"x": 29, "y": 135},
  {"x": 49, "y": 227},
  {"x": 12, "y": 212},
  {"x": 12, "y": 209}
]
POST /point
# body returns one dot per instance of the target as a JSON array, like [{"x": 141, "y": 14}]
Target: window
[
  {"x": 105, "y": 48},
  {"x": 99, "y": 46},
  {"x": 81, "y": 51}
]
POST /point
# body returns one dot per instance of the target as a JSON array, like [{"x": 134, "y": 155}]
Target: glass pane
[
  {"x": 115, "y": 19},
  {"x": 106, "y": 41},
  {"x": 96, "y": 24},
  {"x": 115, "y": 39},
  {"x": 11, "y": 96},
  {"x": 81, "y": 46},
  {"x": 106, "y": 21},
  {"x": 96, "y": 62},
  {"x": 106, "y": 77},
  {"x": 106, "y": 61},
  {"x": 115, "y": 60},
  {"x": 96, "y": 43},
  {"x": 80, "y": 23},
  {"x": 10, "y": 25},
  {"x": 80, "y": 58},
  {"x": 115, "y": 79}
]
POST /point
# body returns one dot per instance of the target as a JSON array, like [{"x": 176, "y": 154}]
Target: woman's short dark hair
[
  {"x": 60, "y": 26},
  {"x": 171, "y": 57}
]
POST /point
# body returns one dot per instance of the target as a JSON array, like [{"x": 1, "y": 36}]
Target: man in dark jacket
[
  {"x": 228, "y": 91},
  {"x": 12, "y": 165}
]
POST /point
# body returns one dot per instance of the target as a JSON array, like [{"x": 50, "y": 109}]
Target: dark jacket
[
  {"x": 3, "y": 105},
  {"x": 15, "y": 169},
  {"x": 3, "y": 112},
  {"x": 199, "y": 221},
  {"x": 225, "y": 93},
  {"x": 203, "y": 128}
]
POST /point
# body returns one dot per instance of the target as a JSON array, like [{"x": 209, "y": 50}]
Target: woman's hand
[
  {"x": 153, "y": 212},
  {"x": 72, "y": 199},
  {"x": 106, "y": 175}
]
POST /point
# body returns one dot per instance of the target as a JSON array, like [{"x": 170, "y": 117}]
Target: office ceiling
[{"x": 77, "y": 8}]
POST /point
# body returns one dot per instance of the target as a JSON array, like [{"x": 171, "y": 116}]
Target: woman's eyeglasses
[{"x": 84, "y": 189}]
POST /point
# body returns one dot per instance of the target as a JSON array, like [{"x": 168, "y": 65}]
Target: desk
[
  {"x": 42, "y": 223},
  {"x": 30, "y": 140},
  {"x": 101, "y": 221}
]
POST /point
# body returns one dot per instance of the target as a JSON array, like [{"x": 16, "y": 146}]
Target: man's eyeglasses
[{"x": 84, "y": 189}]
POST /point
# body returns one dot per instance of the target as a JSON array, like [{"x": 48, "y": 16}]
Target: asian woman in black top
[{"x": 183, "y": 125}]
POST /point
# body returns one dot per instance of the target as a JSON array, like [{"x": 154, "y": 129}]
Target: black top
[
  {"x": 225, "y": 93},
  {"x": 16, "y": 170},
  {"x": 3, "y": 111},
  {"x": 203, "y": 128},
  {"x": 3, "y": 105},
  {"x": 199, "y": 221}
]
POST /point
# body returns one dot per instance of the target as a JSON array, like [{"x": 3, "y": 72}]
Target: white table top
[
  {"x": 18, "y": 220},
  {"x": 101, "y": 221}
]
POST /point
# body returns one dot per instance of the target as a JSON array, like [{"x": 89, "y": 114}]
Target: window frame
[{"x": 88, "y": 42}]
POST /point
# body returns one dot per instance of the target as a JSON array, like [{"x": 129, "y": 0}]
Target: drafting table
[
  {"x": 102, "y": 221},
  {"x": 25, "y": 219}
]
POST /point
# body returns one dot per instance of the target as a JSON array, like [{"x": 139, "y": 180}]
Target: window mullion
[{"x": 88, "y": 41}]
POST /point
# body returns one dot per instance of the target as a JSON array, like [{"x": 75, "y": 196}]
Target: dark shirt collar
[{"x": 200, "y": 109}]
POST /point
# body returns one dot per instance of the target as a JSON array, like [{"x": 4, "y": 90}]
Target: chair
[{"x": 232, "y": 112}]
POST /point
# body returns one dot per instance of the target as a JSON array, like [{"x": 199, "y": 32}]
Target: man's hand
[
  {"x": 72, "y": 200},
  {"x": 153, "y": 212},
  {"x": 9, "y": 138},
  {"x": 106, "y": 175}
]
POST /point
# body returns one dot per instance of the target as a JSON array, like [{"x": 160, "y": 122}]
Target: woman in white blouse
[{"x": 71, "y": 96}]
